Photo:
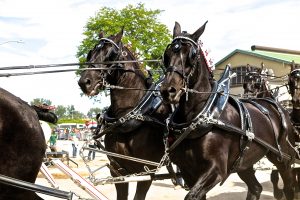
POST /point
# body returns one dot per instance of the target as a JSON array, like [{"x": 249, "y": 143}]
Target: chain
[
  {"x": 85, "y": 160},
  {"x": 112, "y": 180}
]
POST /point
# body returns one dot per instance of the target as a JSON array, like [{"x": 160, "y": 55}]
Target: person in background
[
  {"x": 91, "y": 155},
  {"x": 74, "y": 140},
  {"x": 61, "y": 134},
  {"x": 52, "y": 141},
  {"x": 67, "y": 133}
]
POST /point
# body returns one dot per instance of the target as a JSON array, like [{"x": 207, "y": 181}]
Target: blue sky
[{"x": 51, "y": 30}]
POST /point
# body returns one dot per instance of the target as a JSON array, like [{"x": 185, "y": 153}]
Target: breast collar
[
  {"x": 212, "y": 109},
  {"x": 141, "y": 113}
]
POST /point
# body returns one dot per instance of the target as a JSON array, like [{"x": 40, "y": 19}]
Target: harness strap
[
  {"x": 233, "y": 129},
  {"x": 246, "y": 126},
  {"x": 245, "y": 141},
  {"x": 186, "y": 132},
  {"x": 266, "y": 112}
]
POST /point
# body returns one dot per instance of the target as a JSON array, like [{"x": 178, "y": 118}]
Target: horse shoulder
[{"x": 230, "y": 114}]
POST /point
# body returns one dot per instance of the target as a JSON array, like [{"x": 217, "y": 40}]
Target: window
[{"x": 240, "y": 73}]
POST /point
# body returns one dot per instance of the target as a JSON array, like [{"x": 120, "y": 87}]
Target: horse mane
[
  {"x": 148, "y": 80},
  {"x": 203, "y": 61}
]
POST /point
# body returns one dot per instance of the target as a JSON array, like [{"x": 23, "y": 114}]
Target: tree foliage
[
  {"x": 40, "y": 101},
  {"x": 145, "y": 35},
  {"x": 60, "y": 111},
  {"x": 92, "y": 113}
]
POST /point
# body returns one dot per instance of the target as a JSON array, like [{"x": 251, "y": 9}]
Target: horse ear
[
  {"x": 261, "y": 68},
  {"x": 119, "y": 36},
  {"x": 101, "y": 34},
  {"x": 198, "y": 33},
  {"x": 293, "y": 65},
  {"x": 176, "y": 30}
]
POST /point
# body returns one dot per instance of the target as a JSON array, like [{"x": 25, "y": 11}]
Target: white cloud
[{"x": 52, "y": 30}]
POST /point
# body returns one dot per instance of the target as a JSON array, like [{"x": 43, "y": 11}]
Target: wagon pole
[
  {"x": 76, "y": 64},
  {"x": 147, "y": 162},
  {"x": 53, "y": 71},
  {"x": 36, "y": 188}
]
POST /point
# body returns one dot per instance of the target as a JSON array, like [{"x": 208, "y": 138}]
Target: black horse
[
  {"x": 22, "y": 143},
  {"x": 255, "y": 83},
  {"x": 134, "y": 124},
  {"x": 217, "y": 134},
  {"x": 294, "y": 89}
]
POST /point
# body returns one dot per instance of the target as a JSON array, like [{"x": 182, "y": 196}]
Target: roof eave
[{"x": 252, "y": 54}]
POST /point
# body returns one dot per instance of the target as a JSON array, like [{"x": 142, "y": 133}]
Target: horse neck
[
  {"x": 124, "y": 100},
  {"x": 195, "y": 102}
]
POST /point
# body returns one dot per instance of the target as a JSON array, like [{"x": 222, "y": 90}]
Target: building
[{"x": 276, "y": 60}]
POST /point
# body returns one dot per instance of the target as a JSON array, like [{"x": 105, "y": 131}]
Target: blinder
[
  {"x": 176, "y": 46},
  {"x": 100, "y": 45},
  {"x": 113, "y": 52},
  {"x": 295, "y": 73},
  {"x": 192, "y": 53}
]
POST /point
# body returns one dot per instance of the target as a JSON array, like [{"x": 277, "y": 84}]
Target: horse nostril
[
  {"x": 84, "y": 83},
  {"x": 172, "y": 90},
  {"x": 87, "y": 81}
]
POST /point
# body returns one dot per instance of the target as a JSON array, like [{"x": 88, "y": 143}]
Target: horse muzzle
[
  {"x": 171, "y": 95},
  {"x": 88, "y": 88}
]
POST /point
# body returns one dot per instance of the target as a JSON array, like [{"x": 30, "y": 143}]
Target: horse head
[
  {"x": 294, "y": 85},
  {"x": 108, "y": 49},
  {"x": 181, "y": 60},
  {"x": 253, "y": 80}
]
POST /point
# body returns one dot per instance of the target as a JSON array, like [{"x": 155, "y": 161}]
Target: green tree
[
  {"x": 60, "y": 111},
  {"x": 93, "y": 112},
  {"x": 142, "y": 30},
  {"x": 40, "y": 101},
  {"x": 70, "y": 111},
  {"x": 78, "y": 115}
]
